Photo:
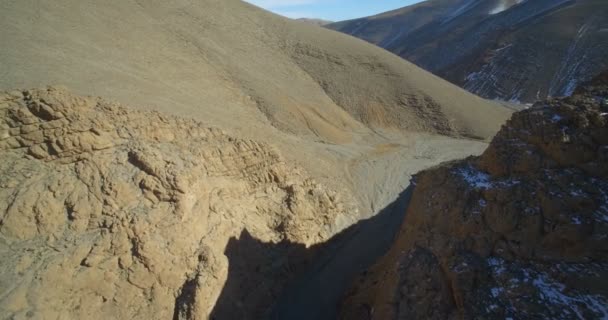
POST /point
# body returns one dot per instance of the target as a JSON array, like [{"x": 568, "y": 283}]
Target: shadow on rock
[{"x": 289, "y": 281}]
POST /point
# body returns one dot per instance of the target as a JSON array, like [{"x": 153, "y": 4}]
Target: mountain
[
  {"x": 517, "y": 50},
  {"x": 316, "y": 22},
  {"x": 301, "y": 79},
  {"x": 519, "y": 232},
  {"x": 187, "y": 159}
]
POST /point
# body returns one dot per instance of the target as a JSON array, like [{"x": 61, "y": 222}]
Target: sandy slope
[{"x": 218, "y": 59}]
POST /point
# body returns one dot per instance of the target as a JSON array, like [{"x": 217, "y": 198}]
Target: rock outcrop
[
  {"x": 518, "y": 233},
  {"x": 111, "y": 213}
]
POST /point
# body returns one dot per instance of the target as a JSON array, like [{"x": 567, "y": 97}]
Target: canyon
[{"x": 211, "y": 160}]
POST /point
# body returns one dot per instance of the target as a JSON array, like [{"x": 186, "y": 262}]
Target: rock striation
[
  {"x": 107, "y": 212},
  {"x": 520, "y": 232}
]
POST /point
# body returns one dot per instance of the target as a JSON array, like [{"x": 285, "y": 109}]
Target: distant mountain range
[
  {"x": 517, "y": 50},
  {"x": 316, "y": 22}
]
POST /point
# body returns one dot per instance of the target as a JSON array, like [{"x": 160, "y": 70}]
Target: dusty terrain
[
  {"x": 519, "y": 232},
  {"x": 249, "y": 145}
]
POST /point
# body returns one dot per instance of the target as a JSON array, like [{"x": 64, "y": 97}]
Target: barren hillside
[
  {"x": 219, "y": 59},
  {"x": 518, "y": 50},
  {"x": 248, "y": 142}
]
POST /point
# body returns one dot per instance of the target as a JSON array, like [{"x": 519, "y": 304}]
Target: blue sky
[{"x": 334, "y": 10}]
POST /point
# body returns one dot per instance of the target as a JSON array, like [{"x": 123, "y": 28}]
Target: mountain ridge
[{"x": 525, "y": 51}]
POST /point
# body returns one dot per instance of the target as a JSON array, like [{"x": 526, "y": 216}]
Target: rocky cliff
[
  {"x": 107, "y": 212},
  {"x": 520, "y": 232},
  {"x": 515, "y": 50}
]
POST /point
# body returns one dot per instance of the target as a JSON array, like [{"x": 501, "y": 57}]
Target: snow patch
[
  {"x": 499, "y": 8},
  {"x": 474, "y": 177},
  {"x": 602, "y": 214},
  {"x": 556, "y": 118},
  {"x": 566, "y": 79},
  {"x": 472, "y": 76},
  {"x": 504, "y": 5},
  {"x": 497, "y": 265},
  {"x": 552, "y": 292},
  {"x": 577, "y": 193},
  {"x": 503, "y": 48},
  {"x": 481, "y": 180},
  {"x": 569, "y": 89},
  {"x": 496, "y": 292}
]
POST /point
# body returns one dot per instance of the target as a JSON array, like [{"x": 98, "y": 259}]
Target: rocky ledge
[{"x": 520, "y": 232}]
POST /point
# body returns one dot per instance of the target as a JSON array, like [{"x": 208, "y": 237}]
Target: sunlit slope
[{"x": 233, "y": 65}]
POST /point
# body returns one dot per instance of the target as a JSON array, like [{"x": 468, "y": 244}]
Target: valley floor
[{"x": 382, "y": 178}]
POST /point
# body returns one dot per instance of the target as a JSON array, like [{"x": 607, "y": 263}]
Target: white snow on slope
[
  {"x": 549, "y": 292},
  {"x": 480, "y": 180},
  {"x": 504, "y": 5}
]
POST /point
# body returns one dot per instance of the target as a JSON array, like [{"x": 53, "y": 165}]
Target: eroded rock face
[
  {"x": 112, "y": 213},
  {"x": 520, "y": 232}
]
